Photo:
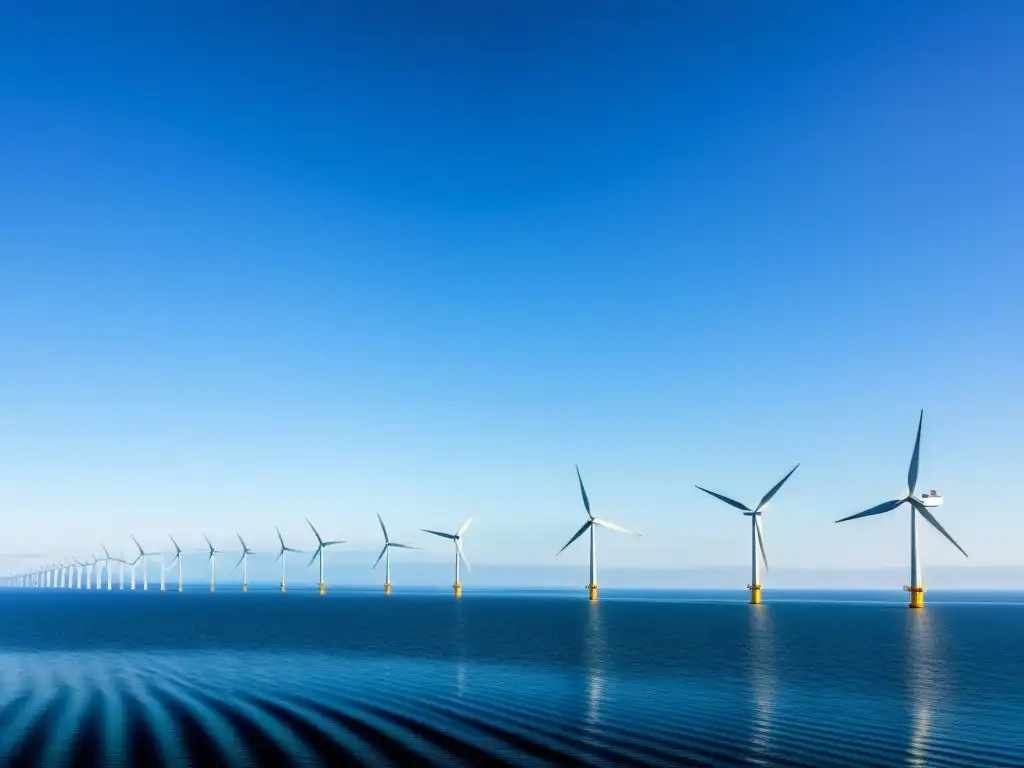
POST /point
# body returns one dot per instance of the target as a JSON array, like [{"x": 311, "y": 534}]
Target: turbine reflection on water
[
  {"x": 594, "y": 652},
  {"x": 923, "y": 681},
  {"x": 762, "y": 679}
]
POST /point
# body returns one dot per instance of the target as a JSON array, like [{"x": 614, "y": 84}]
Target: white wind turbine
[
  {"x": 591, "y": 524},
  {"x": 212, "y": 561},
  {"x": 177, "y": 559},
  {"x": 459, "y": 554},
  {"x": 244, "y": 562},
  {"x": 916, "y": 588},
  {"x": 107, "y": 560},
  {"x": 756, "y": 541},
  {"x": 144, "y": 556},
  {"x": 386, "y": 553},
  {"x": 320, "y": 553},
  {"x": 282, "y": 555},
  {"x": 121, "y": 560}
]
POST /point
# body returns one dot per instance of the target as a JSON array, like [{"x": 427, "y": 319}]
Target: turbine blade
[
  {"x": 768, "y": 496},
  {"x": 576, "y": 535},
  {"x": 612, "y": 526},
  {"x": 318, "y": 539},
  {"x": 383, "y": 528},
  {"x": 289, "y": 549},
  {"x": 279, "y": 556},
  {"x": 888, "y": 506},
  {"x": 209, "y": 543},
  {"x": 332, "y": 543},
  {"x": 313, "y": 558},
  {"x": 137, "y": 545},
  {"x": 401, "y": 546},
  {"x": 242, "y": 542},
  {"x": 237, "y": 564},
  {"x": 583, "y": 491},
  {"x": 760, "y": 541},
  {"x": 726, "y": 499},
  {"x": 438, "y": 533},
  {"x": 176, "y": 547},
  {"x": 465, "y": 526},
  {"x": 927, "y": 515},
  {"x": 458, "y": 548},
  {"x": 380, "y": 557},
  {"x": 279, "y": 536},
  {"x": 914, "y": 460}
]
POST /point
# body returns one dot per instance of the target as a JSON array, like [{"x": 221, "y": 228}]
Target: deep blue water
[{"x": 658, "y": 678}]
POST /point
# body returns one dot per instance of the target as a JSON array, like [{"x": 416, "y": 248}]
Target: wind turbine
[
  {"x": 386, "y": 552},
  {"x": 320, "y": 553},
  {"x": 591, "y": 523},
  {"x": 107, "y": 560},
  {"x": 177, "y": 559},
  {"x": 212, "y": 560},
  {"x": 459, "y": 555},
  {"x": 81, "y": 567},
  {"x": 282, "y": 556},
  {"x": 144, "y": 556},
  {"x": 244, "y": 562},
  {"x": 916, "y": 588},
  {"x": 756, "y": 540}
]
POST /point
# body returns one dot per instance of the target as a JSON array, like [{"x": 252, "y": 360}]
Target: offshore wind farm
[
  {"x": 314, "y": 316},
  {"x": 60, "y": 575}
]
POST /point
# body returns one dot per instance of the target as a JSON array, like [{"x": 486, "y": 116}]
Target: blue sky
[{"x": 265, "y": 264}]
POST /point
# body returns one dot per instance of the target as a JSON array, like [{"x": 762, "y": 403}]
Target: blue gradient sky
[{"x": 262, "y": 264}]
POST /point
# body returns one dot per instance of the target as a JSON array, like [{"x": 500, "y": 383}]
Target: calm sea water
[{"x": 653, "y": 678}]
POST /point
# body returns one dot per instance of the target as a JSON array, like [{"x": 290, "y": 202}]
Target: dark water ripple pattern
[{"x": 264, "y": 679}]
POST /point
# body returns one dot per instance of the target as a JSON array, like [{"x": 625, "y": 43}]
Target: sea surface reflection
[{"x": 266, "y": 679}]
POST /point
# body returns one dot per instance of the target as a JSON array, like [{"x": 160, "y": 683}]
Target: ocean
[{"x": 510, "y": 678}]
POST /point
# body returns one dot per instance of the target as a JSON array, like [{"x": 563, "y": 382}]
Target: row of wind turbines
[
  {"x": 63, "y": 575},
  {"x": 70, "y": 574}
]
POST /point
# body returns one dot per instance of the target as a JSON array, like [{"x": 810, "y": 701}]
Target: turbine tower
[
  {"x": 459, "y": 554},
  {"x": 144, "y": 556},
  {"x": 177, "y": 559},
  {"x": 756, "y": 538},
  {"x": 917, "y": 506},
  {"x": 386, "y": 552},
  {"x": 120, "y": 582},
  {"x": 591, "y": 524},
  {"x": 320, "y": 553},
  {"x": 244, "y": 562},
  {"x": 107, "y": 560},
  {"x": 282, "y": 556},
  {"x": 212, "y": 561}
]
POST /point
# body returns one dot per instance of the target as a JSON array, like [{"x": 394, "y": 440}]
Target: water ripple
[{"x": 587, "y": 685}]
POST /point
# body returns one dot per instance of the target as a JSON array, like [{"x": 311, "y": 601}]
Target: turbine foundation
[
  {"x": 592, "y": 591},
  {"x": 323, "y": 588},
  {"x": 755, "y": 593},
  {"x": 282, "y": 586},
  {"x": 245, "y": 587},
  {"x": 387, "y": 588},
  {"x": 457, "y": 587},
  {"x": 916, "y": 597}
]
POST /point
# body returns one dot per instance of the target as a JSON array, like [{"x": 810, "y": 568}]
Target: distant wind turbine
[
  {"x": 144, "y": 556},
  {"x": 282, "y": 555},
  {"x": 321, "y": 544},
  {"x": 177, "y": 559},
  {"x": 756, "y": 540},
  {"x": 244, "y": 562},
  {"x": 212, "y": 561},
  {"x": 107, "y": 560},
  {"x": 591, "y": 524},
  {"x": 916, "y": 588},
  {"x": 386, "y": 553},
  {"x": 459, "y": 554}
]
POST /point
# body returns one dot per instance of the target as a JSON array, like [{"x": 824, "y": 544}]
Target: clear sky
[{"x": 421, "y": 259}]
